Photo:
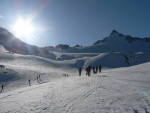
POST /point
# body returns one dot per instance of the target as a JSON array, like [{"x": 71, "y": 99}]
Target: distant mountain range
[
  {"x": 116, "y": 50},
  {"x": 115, "y": 42},
  {"x": 128, "y": 38}
]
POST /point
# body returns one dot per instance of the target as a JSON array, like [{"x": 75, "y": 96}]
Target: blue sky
[{"x": 77, "y": 21}]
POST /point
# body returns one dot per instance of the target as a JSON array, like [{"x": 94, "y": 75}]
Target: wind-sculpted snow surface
[{"x": 124, "y": 90}]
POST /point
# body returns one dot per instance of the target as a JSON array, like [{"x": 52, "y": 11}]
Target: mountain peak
[
  {"x": 114, "y": 32},
  {"x": 5, "y": 32},
  {"x": 1, "y": 28}
]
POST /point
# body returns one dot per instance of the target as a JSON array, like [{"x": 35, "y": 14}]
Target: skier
[
  {"x": 93, "y": 69},
  {"x": 88, "y": 70},
  {"x": 29, "y": 82},
  {"x": 2, "y": 88},
  {"x": 37, "y": 79},
  {"x": 96, "y": 69},
  {"x": 40, "y": 77},
  {"x": 100, "y": 67},
  {"x": 80, "y": 70}
]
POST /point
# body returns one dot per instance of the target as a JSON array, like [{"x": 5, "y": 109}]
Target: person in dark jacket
[
  {"x": 29, "y": 82},
  {"x": 88, "y": 70},
  {"x": 80, "y": 70},
  {"x": 96, "y": 69},
  {"x": 99, "y": 67},
  {"x": 2, "y": 88},
  {"x": 40, "y": 77}
]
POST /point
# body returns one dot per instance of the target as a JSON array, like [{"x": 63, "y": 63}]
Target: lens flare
[{"x": 23, "y": 28}]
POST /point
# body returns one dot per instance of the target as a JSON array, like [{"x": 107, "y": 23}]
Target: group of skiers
[
  {"x": 29, "y": 81},
  {"x": 65, "y": 75},
  {"x": 38, "y": 80},
  {"x": 95, "y": 69}
]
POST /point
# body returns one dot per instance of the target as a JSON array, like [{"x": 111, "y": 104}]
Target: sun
[{"x": 23, "y": 28}]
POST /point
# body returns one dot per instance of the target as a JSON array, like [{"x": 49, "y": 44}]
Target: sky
[{"x": 74, "y": 22}]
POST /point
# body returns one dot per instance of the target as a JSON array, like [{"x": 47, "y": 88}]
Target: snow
[
  {"x": 113, "y": 43},
  {"x": 121, "y": 90},
  {"x": 115, "y": 90},
  {"x": 123, "y": 86}
]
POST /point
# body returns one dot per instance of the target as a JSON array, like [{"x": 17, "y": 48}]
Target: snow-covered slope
[
  {"x": 123, "y": 86},
  {"x": 18, "y": 69},
  {"x": 123, "y": 90},
  {"x": 33, "y": 60}
]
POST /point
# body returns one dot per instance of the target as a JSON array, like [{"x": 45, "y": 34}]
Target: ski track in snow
[
  {"x": 49, "y": 97},
  {"x": 95, "y": 94},
  {"x": 101, "y": 93},
  {"x": 82, "y": 97}
]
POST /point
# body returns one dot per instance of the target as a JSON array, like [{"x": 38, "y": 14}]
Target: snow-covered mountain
[
  {"x": 115, "y": 42},
  {"x": 15, "y": 45},
  {"x": 123, "y": 86},
  {"x": 122, "y": 50}
]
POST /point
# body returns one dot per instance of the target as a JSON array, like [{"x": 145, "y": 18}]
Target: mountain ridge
[
  {"x": 128, "y": 38},
  {"x": 115, "y": 42},
  {"x": 15, "y": 45}
]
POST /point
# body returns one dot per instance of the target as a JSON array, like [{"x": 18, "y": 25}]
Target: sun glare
[{"x": 23, "y": 28}]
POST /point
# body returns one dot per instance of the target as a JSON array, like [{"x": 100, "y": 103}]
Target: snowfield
[
  {"x": 121, "y": 90},
  {"x": 123, "y": 86}
]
